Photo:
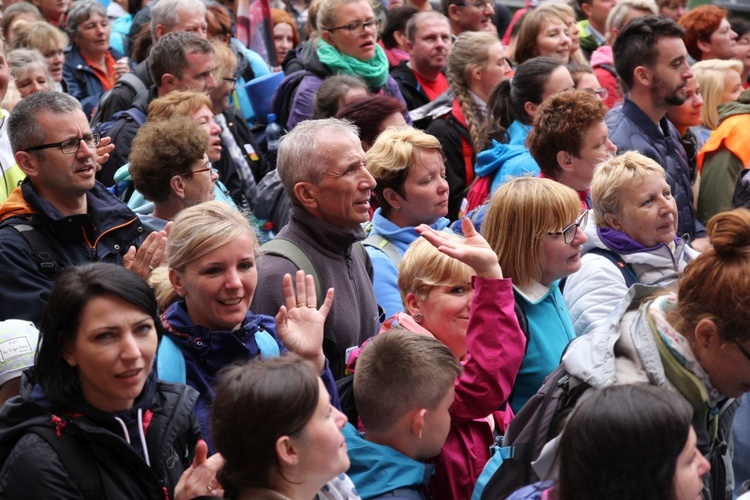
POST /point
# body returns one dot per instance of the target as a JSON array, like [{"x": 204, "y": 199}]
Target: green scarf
[{"x": 374, "y": 71}]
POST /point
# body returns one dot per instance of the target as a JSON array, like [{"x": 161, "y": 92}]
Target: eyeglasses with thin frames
[
  {"x": 479, "y": 4},
  {"x": 207, "y": 167},
  {"x": 73, "y": 145},
  {"x": 569, "y": 233},
  {"x": 231, "y": 81},
  {"x": 601, "y": 93},
  {"x": 358, "y": 28}
]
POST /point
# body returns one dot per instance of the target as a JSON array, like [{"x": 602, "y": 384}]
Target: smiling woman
[{"x": 92, "y": 390}]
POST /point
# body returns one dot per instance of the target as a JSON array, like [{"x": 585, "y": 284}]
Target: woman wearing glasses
[
  {"x": 347, "y": 45},
  {"x": 535, "y": 226},
  {"x": 634, "y": 239}
]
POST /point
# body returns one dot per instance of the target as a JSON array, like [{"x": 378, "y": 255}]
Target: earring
[
  {"x": 418, "y": 317},
  {"x": 398, "y": 209}
]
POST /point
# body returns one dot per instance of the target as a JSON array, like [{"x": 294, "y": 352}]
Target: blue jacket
[
  {"x": 81, "y": 81},
  {"x": 207, "y": 352},
  {"x": 385, "y": 281},
  {"x": 550, "y": 331},
  {"x": 507, "y": 160},
  {"x": 381, "y": 472},
  {"x": 631, "y": 129}
]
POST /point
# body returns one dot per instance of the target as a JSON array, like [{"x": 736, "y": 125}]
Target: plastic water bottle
[{"x": 273, "y": 134}]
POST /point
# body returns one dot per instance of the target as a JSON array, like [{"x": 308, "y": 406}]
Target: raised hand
[
  {"x": 200, "y": 478},
  {"x": 151, "y": 254},
  {"x": 473, "y": 250},
  {"x": 299, "y": 323}
]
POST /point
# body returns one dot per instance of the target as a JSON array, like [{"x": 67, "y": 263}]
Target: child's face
[{"x": 437, "y": 423}]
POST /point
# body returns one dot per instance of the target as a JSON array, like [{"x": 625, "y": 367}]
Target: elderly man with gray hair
[{"x": 322, "y": 167}]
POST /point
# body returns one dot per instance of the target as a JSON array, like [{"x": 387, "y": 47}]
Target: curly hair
[
  {"x": 163, "y": 149},
  {"x": 560, "y": 124}
]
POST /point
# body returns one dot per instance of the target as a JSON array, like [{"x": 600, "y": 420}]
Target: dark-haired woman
[
  {"x": 299, "y": 453},
  {"x": 92, "y": 420},
  {"x": 639, "y": 440},
  {"x": 512, "y": 107}
]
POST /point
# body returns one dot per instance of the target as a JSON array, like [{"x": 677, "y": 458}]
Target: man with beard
[
  {"x": 651, "y": 59},
  {"x": 421, "y": 78}
]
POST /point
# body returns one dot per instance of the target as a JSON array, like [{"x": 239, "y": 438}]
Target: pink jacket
[{"x": 600, "y": 58}]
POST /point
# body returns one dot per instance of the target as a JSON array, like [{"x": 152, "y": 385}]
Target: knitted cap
[{"x": 18, "y": 340}]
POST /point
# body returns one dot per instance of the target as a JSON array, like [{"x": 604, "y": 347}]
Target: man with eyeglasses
[
  {"x": 469, "y": 15},
  {"x": 61, "y": 216}
]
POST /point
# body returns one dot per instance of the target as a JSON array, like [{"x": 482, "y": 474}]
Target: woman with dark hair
[
  {"x": 372, "y": 115},
  {"x": 512, "y": 107},
  {"x": 93, "y": 393},
  {"x": 278, "y": 433},
  {"x": 638, "y": 439},
  {"x": 741, "y": 26},
  {"x": 393, "y": 39}
]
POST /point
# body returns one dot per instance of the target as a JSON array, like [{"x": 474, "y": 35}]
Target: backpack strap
[
  {"x": 76, "y": 458},
  {"x": 626, "y": 269},
  {"x": 170, "y": 362},
  {"x": 292, "y": 252},
  {"x": 43, "y": 251},
  {"x": 379, "y": 242}
]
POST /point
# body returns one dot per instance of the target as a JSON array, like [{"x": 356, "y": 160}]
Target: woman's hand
[
  {"x": 200, "y": 478},
  {"x": 151, "y": 254},
  {"x": 122, "y": 66},
  {"x": 473, "y": 250},
  {"x": 300, "y": 323},
  {"x": 103, "y": 149}
]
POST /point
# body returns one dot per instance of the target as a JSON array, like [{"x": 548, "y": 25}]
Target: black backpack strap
[
  {"x": 43, "y": 251},
  {"x": 292, "y": 252},
  {"x": 626, "y": 269},
  {"x": 77, "y": 460}
]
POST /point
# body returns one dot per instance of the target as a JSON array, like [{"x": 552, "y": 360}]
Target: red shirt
[{"x": 432, "y": 88}]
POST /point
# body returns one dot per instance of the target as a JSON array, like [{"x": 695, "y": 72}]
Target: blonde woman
[
  {"x": 476, "y": 65},
  {"x": 48, "y": 40},
  {"x": 567, "y": 14},
  {"x": 720, "y": 82},
  {"x": 535, "y": 226}
]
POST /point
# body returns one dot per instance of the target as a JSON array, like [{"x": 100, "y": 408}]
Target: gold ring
[{"x": 302, "y": 304}]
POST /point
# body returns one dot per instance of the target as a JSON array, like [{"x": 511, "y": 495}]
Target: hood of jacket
[
  {"x": 602, "y": 55},
  {"x": 733, "y": 108},
  {"x": 401, "y": 237},
  {"x": 376, "y": 469},
  {"x": 491, "y": 160}
]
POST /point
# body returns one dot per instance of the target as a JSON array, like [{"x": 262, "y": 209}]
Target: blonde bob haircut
[
  {"x": 611, "y": 177},
  {"x": 425, "y": 267},
  {"x": 196, "y": 231},
  {"x": 226, "y": 61},
  {"x": 177, "y": 103},
  {"x": 710, "y": 74},
  {"x": 520, "y": 214},
  {"x": 391, "y": 157}
]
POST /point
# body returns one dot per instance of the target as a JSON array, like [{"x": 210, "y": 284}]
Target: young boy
[{"x": 404, "y": 387}]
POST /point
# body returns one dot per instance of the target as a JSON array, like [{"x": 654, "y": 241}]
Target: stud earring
[{"x": 418, "y": 317}]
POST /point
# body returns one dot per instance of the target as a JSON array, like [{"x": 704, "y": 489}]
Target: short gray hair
[
  {"x": 80, "y": 12},
  {"x": 299, "y": 159},
  {"x": 167, "y": 12},
  {"x": 21, "y": 59},
  {"x": 24, "y": 130}
]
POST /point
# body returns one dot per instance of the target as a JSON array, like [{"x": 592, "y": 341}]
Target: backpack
[
  {"x": 281, "y": 102},
  {"x": 271, "y": 205},
  {"x": 130, "y": 80},
  {"x": 539, "y": 421},
  {"x": 378, "y": 241},
  {"x": 110, "y": 128}
]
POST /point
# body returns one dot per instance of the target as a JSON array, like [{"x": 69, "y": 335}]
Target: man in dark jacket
[
  {"x": 421, "y": 79},
  {"x": 60, "y": 216},
  {"x": 166, "y": 16},
  {"x": 651, "y": 59},
  {"x": 322, "y": 167}
]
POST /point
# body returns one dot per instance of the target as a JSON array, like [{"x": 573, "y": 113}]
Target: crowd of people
[{"x": 489, "y": 256}]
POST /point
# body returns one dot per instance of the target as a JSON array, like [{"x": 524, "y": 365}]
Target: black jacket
[
  {"x": 409, "y": 86},
  {"x": 33, "y": 469}
]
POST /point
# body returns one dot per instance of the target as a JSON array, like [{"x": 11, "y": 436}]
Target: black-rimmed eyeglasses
[
  {"x": 358, "y": 29},
  {"x": 569, "y": 233},
  {"x": 73, "y": 145}
]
